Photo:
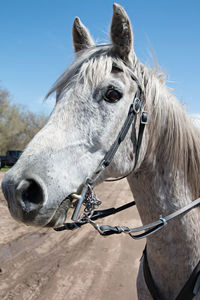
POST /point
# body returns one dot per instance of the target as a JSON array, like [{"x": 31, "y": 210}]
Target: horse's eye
[{"x": 112, "y": 95}]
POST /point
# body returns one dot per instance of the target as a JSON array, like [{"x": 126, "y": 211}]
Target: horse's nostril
[
  {"x": 30, "y": 195},
  {"x": 33, "y": 193}
]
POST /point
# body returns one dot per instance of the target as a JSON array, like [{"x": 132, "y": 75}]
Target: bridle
[{"x": 88, "y": 197}]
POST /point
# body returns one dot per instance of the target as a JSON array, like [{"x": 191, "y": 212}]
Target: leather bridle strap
[
  {"x": 143, "y": 122},
  {"x": 134, "y": 109}
]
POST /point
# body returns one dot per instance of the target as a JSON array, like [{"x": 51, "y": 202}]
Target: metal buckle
[
  {"x": 144, "y": 118},
  {"x": 137, "y": 105}
]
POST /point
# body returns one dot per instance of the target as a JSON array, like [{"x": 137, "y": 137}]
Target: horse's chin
[{"x": 60, "y": 215}]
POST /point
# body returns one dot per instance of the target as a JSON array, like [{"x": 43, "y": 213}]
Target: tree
[{"x": 17, "y": 124}]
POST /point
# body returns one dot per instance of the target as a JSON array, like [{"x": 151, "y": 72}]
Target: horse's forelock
[
  {"x": 82, "y": 58},
  {"x": 99, "y": 58}
]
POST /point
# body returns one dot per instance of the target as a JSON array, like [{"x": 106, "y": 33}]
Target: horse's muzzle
[
  {"x": 29, "y": 203},
  {"x": 25, "y": 198}
]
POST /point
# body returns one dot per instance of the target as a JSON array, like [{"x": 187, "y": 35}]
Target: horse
[{"x": 93, "y": 98}]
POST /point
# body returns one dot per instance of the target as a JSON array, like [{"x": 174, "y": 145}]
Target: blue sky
[{"x": 36, "y": 43}]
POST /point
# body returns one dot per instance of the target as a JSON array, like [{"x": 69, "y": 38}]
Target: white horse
[{"x": 93, "y": 98}]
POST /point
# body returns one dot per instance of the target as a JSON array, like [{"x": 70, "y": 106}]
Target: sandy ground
[{"x": 47, "y": 265}]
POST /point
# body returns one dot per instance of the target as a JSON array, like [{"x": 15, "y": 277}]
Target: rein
[{"x": 105, "y": 230}]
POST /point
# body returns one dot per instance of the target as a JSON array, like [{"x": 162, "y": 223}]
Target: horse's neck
[{"x": 174, "y": 251}]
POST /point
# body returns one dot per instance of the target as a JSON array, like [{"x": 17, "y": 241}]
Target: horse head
[{"x": 93, "y": 97}]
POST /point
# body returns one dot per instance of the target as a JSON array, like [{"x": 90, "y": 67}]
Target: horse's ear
[
  {"x": 121, "y": 33},
  {"x": 81, "y": 36}
]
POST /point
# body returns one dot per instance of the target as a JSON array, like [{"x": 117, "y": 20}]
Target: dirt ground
[{"x": 43, "y": 264}]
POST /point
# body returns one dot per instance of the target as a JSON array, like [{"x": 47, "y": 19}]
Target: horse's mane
[
  {"x": 174, "y": 138},
  {"x": 173, "y": 135}
]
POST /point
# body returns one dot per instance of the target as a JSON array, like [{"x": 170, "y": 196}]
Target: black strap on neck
[
  {"x": 192, "y": 286},
  {"x": 149, "y": 279},
  {"x": 188, "y": 292}
]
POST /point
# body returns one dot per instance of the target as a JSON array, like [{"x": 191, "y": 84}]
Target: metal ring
[{"x": 163, "y": 220}]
